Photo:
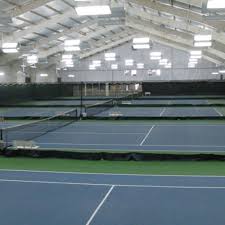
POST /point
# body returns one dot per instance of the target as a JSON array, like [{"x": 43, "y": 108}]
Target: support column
[
  {"x": 107, "y": 89},
  {"x": 85, "y": 89}
]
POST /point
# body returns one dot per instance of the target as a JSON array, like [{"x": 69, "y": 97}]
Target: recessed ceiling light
[
  {"x": 93, "y": 10},
  {"x": 203, "y": 37},
  {"x": 142, "y": 40},
  {"x": 216, "y": 4}
]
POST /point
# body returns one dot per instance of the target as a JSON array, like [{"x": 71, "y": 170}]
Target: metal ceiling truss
[{"x": 172, "y": 24}]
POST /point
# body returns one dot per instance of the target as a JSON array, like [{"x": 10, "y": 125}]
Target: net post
[
  {"x": 81, "y": 99},
  {"x": 1, "y": 134}
]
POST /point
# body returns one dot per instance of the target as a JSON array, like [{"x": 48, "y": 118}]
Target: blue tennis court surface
[
  {"x": 20, "y": 112},
  {"x": 33, "y": 111},
  {"x": 162, "y": 112},
  {"x": 135, "y": 136},
  {"x": 168, "y": 102},
  {"x": 53, "y": 198},
  {"x": 62, "y": 102}
]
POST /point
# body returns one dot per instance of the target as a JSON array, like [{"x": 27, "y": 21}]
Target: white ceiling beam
[
  {"x": 45, "y": 41},
  {"x": 163, "y": 32},
  {"x": 66, "y": 31},
  {"x": 177, "y": 11},
  {"x": 18, "y": 36},
  {"x": 96, "y": 46},
  {"x": 107, "y": 46},
  {"x": 218, "y": 36},
  {"x": 173, "y": 44},
  {"x": 29, "y": 6},
  {"x": 59, "y": 48},
  {"x": 217, "y": 49}
]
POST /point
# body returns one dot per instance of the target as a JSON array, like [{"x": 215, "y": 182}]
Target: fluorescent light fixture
[
  {"x": 32, "y": 59},
  {"x": 43, "y": 75},
  {"x": 195, "y": 57},
  {"x": 96, "y": 62},
  {"x": 203, "y": 44},
  {"x": 67, "y": 62},
  {"x": 155, "y": 57},
  {"x": 162, "y": 64},
  {"x": 141, "y": 46},
  {"x": 222, "y": 71},
  {"x": 155, "y": 54},
  {"x": 215, "y": 73},
  {"x": 67, "y": 57},
  {"x": 110, "y": 55},
  {"x": 136, "y": 86},
  {"x": 140, "y": 65},
  {"x": 71, "y": 48},
  {"x": 196, "y": 52},
  {"x": 92, "y": 67},
  {"x": 71, "y": 75},
  {"x": 216, "y": 4},
  {"x": 9, "y": 45},
  {"x": 202, "y": 37},
  {"x": 114, "y": 66},
  {"x": 142, "y": 40},
  {"x": 93, "y": 10},
  {"x": 191, "y": 65},
  {"x": 193, "y": 60},
  {"x": 163, "y": 61},
  {"x": 9, "y": 50},
  {"x": 169, "y": 65},
  {"x": 129, "y": 62},
  {"x": 133, "y": 72},
  {"x": 158, "y": 72},
  {"x": 2, "y": 73},
  {"x": 71, "y": 42},
  {"x": 110, "y": 59}
]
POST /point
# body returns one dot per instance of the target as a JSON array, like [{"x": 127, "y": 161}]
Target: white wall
[
  {"x": 9, "y": 74},
  {"x": 178, "y": 58}
]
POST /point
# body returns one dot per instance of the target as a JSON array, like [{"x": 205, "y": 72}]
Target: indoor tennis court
[{"x": 112, "y": 112}]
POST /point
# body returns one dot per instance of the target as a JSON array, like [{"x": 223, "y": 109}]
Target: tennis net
[
  {"x": 30, "y": 131},
  {"x": 95, "y": 109}
]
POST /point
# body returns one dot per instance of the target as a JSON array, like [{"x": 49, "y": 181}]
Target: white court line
[
  {"x": 109, "y": 174},
  {"x": 134, "y": 145},
  {"x": 66, "y": 132},
  {"x": 99, "y": 206},
  {"x": 100, "y": 144},
  {"x": 200, "y": 146},
  {"x": 112, "y": 185},
  {"x": 217, "y": 111},
  {"x": 146, "y": 136},
  {"x": 163, "y": 111}
]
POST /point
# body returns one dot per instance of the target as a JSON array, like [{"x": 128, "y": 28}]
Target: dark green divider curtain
[
  {"x": 184, "y": 88},
  {"x": 24, "y": 92}
]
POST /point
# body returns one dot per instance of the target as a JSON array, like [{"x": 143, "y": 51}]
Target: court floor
[
  {"x": 136, "y": 136},
  {"x": 162, "y": 112},
  {"x": 54, "y": 198}
]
